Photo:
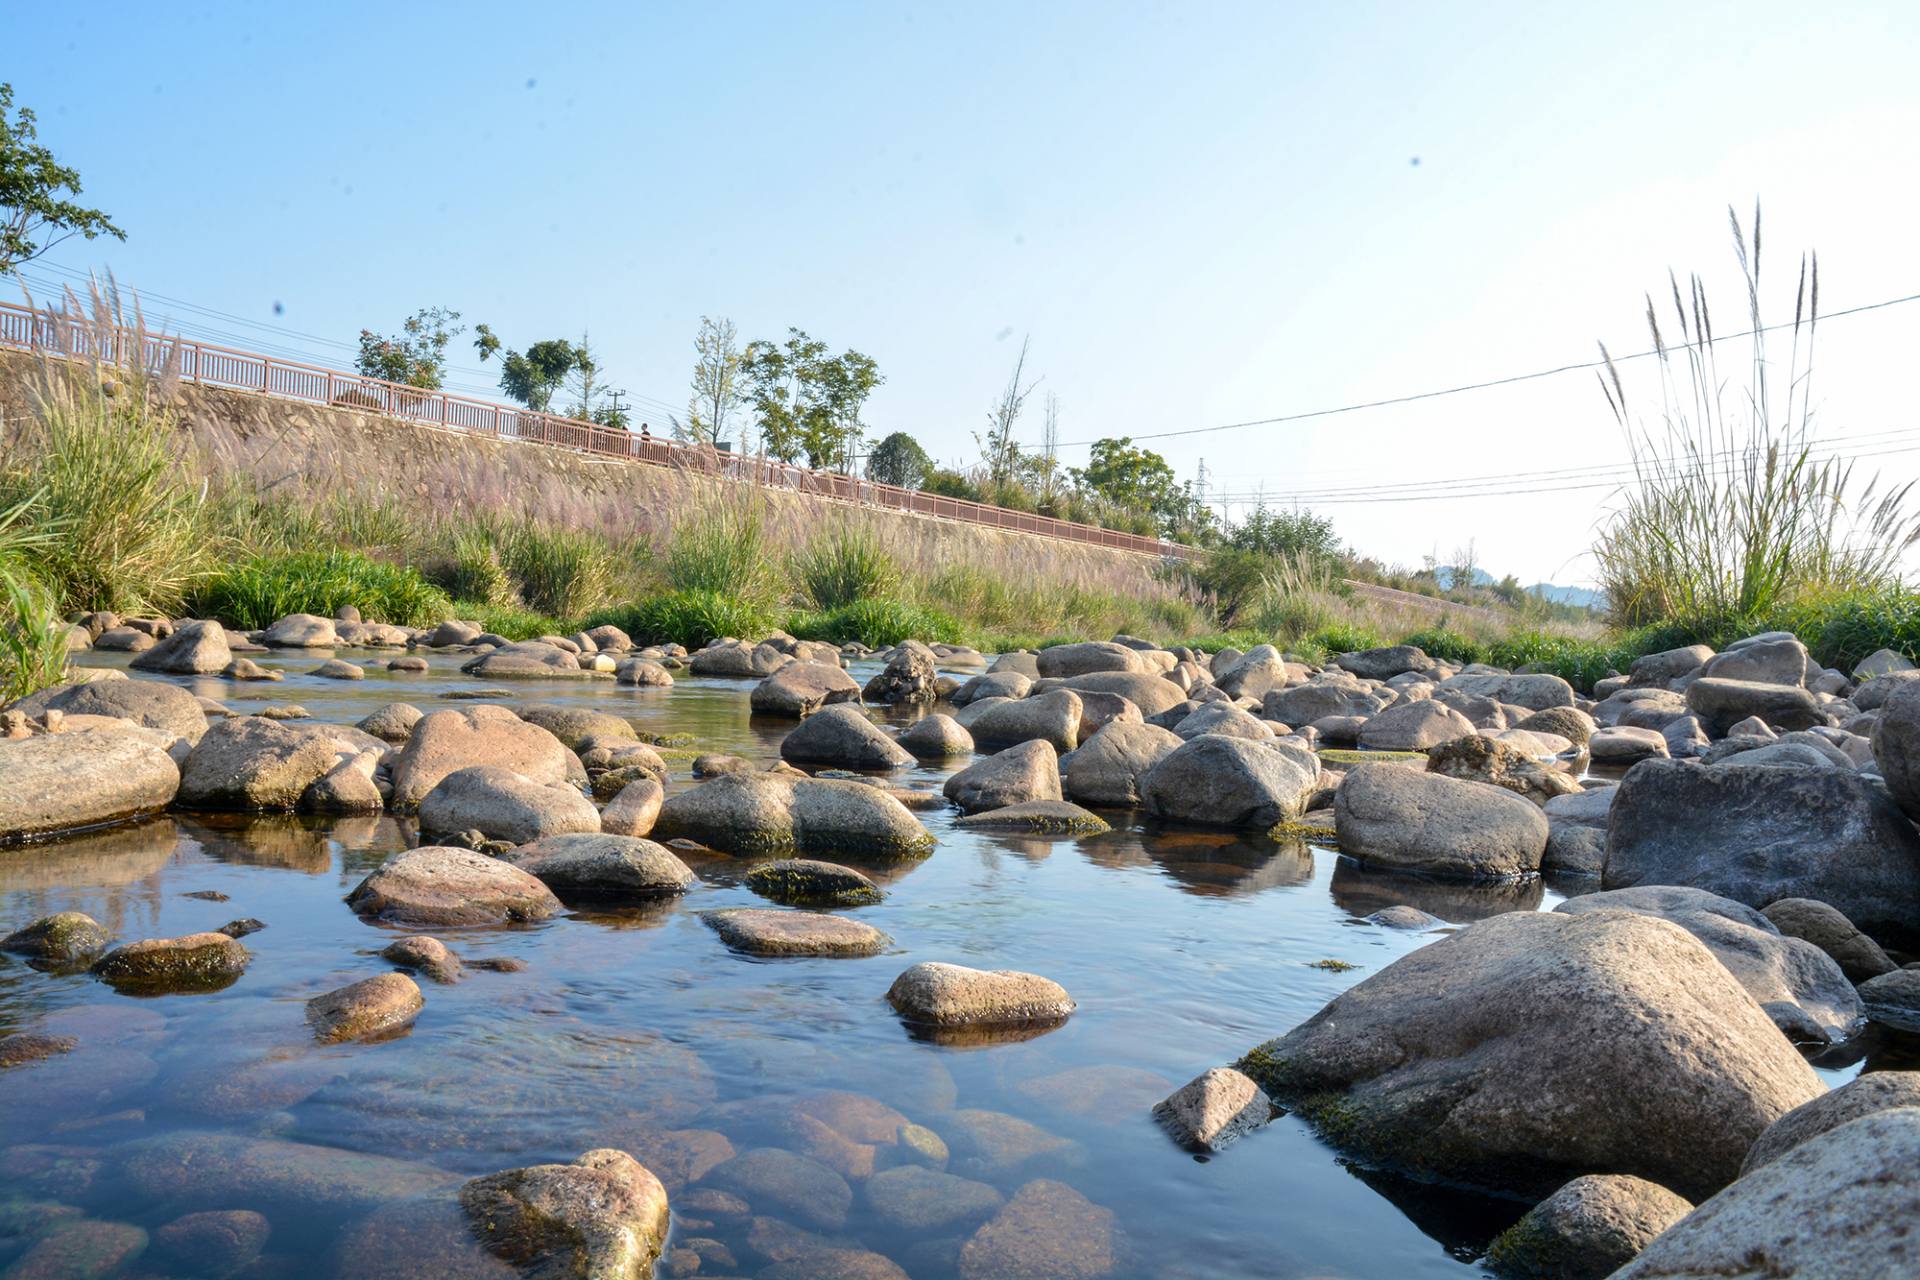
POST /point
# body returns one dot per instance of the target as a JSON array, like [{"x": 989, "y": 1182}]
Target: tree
[
  {"x": 1127, "y": 476},
  {"x": 417, "y": 356},
  {"x": 833, "y": 434},
  {"x": 1285, "y": 533},
  {"x": 531, "y": 377},
  {"x": 716, "y": 383},
  {"x": 590, "y": 391},
  {"x": 806, "y": 401},
  {"x": 1001, "y": 452},
  {"x": 899, "y": 460},
  {"x": 34, "y": 214}
]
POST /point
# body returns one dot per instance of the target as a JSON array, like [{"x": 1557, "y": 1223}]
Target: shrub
[
  {"x": 1344, "y": 637},
  {"x": 878, "y": 623},
  {"x": 691, "y": 618},
  {"x": 509, "y": 620},
  {"x": 722, "y": 550},
  {"x": 1448, "y": 645},
  {"x": 96, "y": 473},
  {"x": 265, "y": 588},
  {"x": 473, "y": 570},
  {"x": 560, "y": 572},
  {"x": 844, "y": 566},
  {"x": 33, "y": 640}
]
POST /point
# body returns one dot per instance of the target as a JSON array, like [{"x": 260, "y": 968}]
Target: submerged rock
[
  {"x": 377, "y": 1008},
  {"x": 604, "y": 1215},
  {"x": 1048, "y": 1231},
  {"x": 1841, "y": 1204},
  {"x": 764, "y": 813},
  {"x": 436, "y": 885},
  {"x": 81, "y": 1249},
  {"x": 1586, "y": 1229},
  {"x": 1213, "y": 1110},
  {"x": 806, "y": 880},
  {"x": 66, "y": 937},
  {"x": 24, "y": 1047},
  {"x": 786, "y": 1183},
  {"x": 1635, "y": 1051},
  {"x": 762, "y": 932},
  {"x": 926, "y": 1201},
  {"x": 214, "y": 1244},
  {"x": 159, "y": 966}
]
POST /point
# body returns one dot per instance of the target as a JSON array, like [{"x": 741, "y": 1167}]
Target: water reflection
[{"x": 1361, "y": 891}]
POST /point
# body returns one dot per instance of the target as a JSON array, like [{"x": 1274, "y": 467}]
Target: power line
[{"x": 1491, "y": 382}]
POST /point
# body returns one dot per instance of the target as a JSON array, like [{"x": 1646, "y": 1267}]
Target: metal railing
[{"x": 211, "y": 366}]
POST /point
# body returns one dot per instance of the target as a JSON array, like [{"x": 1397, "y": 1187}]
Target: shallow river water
[{"x": 1183, "y": 950}]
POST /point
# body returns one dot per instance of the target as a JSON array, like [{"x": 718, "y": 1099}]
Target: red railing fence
[{"x": 207, "y": 365}]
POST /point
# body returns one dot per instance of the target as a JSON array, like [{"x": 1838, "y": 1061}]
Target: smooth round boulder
[
  {"x": 599, "y": 865},
  {"x": 1633, "y": 1050},
  {"x": 1052, "y": 717},
  {"x": 636, "y": 807},
  {"x": 1107, "y": 768},
  {"x": 936, "y": 994},
  {"x": 503, "y": 805},
  {"x": 1223, "y": 719},
  {"x": 1048, "y": 1231},
  {"x": 376, "y": 1008},
  {"x": 339, "y": 669},
  {"x": 1413, "y": 726},
  {"x": 1722, "y": 703},
  {"x": 772, "y": 814},
  {"x": 1037, "y": 817},
  {"x": 443, "y": 741},
  {"x": 215, "y": 1243},
  {"x": 1587, "y": 1229},
  {"x": 160, "y": 966},
  {"x": 1064, "y": 661},
  {"x": 923, "y": 1201},
  {"x": 154, "y": 704},
  {"x": 1571, "y": 723},
  {"x": 1220, "y": 781},
  {"x": 66, "y": 937},
  {"x": 527, "y": 659},
  {"x": 799, "y": 689},
  {"x": 392, "y": 723},
  {"x": 605, "y": 1214},
  {"x": 437, "y": 886},
  {"x": 810, "y": 881},
  {"x": 841, "y": 736},
  {"x": 194, "y": 649},
  {"x": 1030, "y": 771},
  {"x": 936, "y": 737},
  {"x": 1151, "y": 693},
  {"x": 1392, "y": 816},
  {"x": 1858, "y": 956},
  {"x": 63, "y": 781},
  {"x": 642, "y": 673},
  {"x": 301, "y": 631},
  {"x": 253, "y": 764},
  {"x": 1863, "y": 1095},
  {"x": 426, "y": 955},
  {"x": 761, "y": 932}
]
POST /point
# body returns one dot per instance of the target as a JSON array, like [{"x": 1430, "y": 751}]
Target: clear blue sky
[{"x": 1201, "y": 213}]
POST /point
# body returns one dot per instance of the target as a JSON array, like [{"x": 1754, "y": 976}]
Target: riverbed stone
[
  {"x": 1722, "y": 703},
  {"x": 1479, "y": 758},
  {"x": 1107, "y": 768},
  {"x": 1536, "y": 692},
  {"x": 1048, "y": 1231},
  {"x": 23, "y": 1047},
  {"x": 66, "y": 937},
  {"x": 1863, "y": 1095},
  {"x": 80, "y": 1249},
  {"x": 993, "y": 684},
  {"x": 936, "y": 737},
  {"x": 604, "y": 1215},
  {"x": 427, "y": 955},
  {"x": 1227, "y": 782},
  {"x": 841, "y": 736},
  {"x": 772, "y": 814},
  {"x": 1635, "y": 1052},
  {"x": 1571, "y": 723},
  {"x": 392, "y": 723},
  {"x": 251, "y": 764},
  {"x": 375, "y": 1008},
  {"x": 799, "y": 689},
  {"x": 1585, "y": 1230},
  {"x": 762, "y": 932},
  {"x": 1392, "y": 816},
  {"x": 1064, "y": 661},
  {"x": 910, "y": 678},
  {"x": 1151, "y": 693},
  {"x": 1896, "y": 745},
  {"x": 1213, "y": 1110},
  {"x": 215, "y": 1243},
  {"x": 1840, "y": 1204},
  {"x": 1030, "y": 771},
  {"x": 454, "y": 739},
  {"x": 1797, "y": 984},
  {"x": 159, "y": 966},
  {"x": 437, "y": 886},
  {"x": 599, "y": 865},
  {"x": 1223, "y": 719},
  {"x": 63, "y": 781},
  {"x": 526, "y": 659},
  {"x": 154, "y": 704},
  {"x": 642, "y": 673},
  {"x": 1759, "y": 834},
  {"x": 635, "y": 809},
  {"x": 1386, "y": 662},
  {"x": 926, "y": 1201},
  {"x": 936, "y": 994},
  {"x": 789, "y": 1184},
  {"x": 1413, "y": 726},
  {"x": 1038, "y": 817},
  {"x": 194, "y": 649},
  {"x": 1858, "y": 956},
  {"x": 1052, "y": 717},
  {"x": 1894, "y": 999},
  {"x": 808, "y": 880},
  {"x": 503, "y": 805},
  {"x": 1319, "y": 699}
]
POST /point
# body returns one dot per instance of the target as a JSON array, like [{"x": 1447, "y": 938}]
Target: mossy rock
[
  {"x": 1038, "y": 817},
  {"x": 1299, "y": 832},
  {"x": 807, "y": 880},
  {"x": 1341, "y": 756}
]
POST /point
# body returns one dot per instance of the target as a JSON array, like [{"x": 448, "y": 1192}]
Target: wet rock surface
[
  {"x": 436, "y": 885},
  {"x": 160, "y": 966},
  {"x": 373, "y": 1009},
  {"x": 603, "y": 1215},
  {"x": 794, "y": 933}
]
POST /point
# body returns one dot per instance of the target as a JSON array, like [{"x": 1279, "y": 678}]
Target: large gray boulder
[
  {"x": 1225, "y": 720},
  {"x": 1393, "y": 816},
  {"x": 1799, "y": 985},
  {"x": 1259, "y": 669},
  {"x": 1533, "y": 1047},
  {"x": 1220, "y": 781},
  {"x": 773, "y": 814},
  {"x": 1064, "y": 661},
  {"x": 936, "y": 737},
  {"x": 1385, "y": 663},
  {"x": 1052, "y": 717},
  {"x": 1858, "y": 956},
  {"x": 1586, "y": 1229},
  {"x": 1722, "y": 703},
  {"x": 301, "y": 631},
  {"x": 1318, "y": 699},
  {"x": 1861, "y": 1096},
  {"x": 455, "y": 739},
  {"x": 504, "y": 805},
  {"x": 61, "y": 781},
  {"x": 842, "y": 736},
  {"x": 1840, "y": 1205},
  {"x": 194, "y": 649},
  {"x": 152, "y": 703},
  {"x": 1030, "y": 771},
  {"x": 252, "y": 763},
  {"x": 1657, "y": 670},
  {"x": 993, "y": 684},
  {"x": 1106, "y": 769},
  {"x": 527, "y": 659},
  {"x": 605, "y": 866},
  {"x": 1150, "y": 692},
  {"x": 1534, "y": 692},
  {"x": 801, "y": 688},
  {"x": 1760, "y": 834},
  {"x": 1896, "y": 746},
  {"x": 1777, "y": 658},
  {"x": 1413, "y": 726}
]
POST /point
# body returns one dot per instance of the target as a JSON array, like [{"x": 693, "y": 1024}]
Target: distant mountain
[{"x": 1583, "y": 597}]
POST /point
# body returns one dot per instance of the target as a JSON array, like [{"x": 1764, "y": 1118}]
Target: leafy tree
[
  {"x": 1289, "y": 533},
  {"x": 899, "y": 460},
  {"x": 532, "y": 376},
  {"x": 833, "y": 434},
  {"x": 34, "y": 214},
  {"x": 1135, "y": 478},
  {"x": 590, "y": 391},
  {"x": 417, "y": 356},
  {"x": 807, "y": 402},
  {"x": 717, "y": 378}
]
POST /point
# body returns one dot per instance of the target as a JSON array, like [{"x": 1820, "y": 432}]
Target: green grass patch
[
  {"x": 877, "y": 624},
  {"x": 690, "y": 618},
  {"x": 511, "y": 620},
  {"x": 257, "y": 592},
  {"x": 844, "y": 567},
  {"x": 1341, "y": 756}
]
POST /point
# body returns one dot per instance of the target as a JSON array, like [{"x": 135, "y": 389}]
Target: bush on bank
[{"x": 256, "y": 592}]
